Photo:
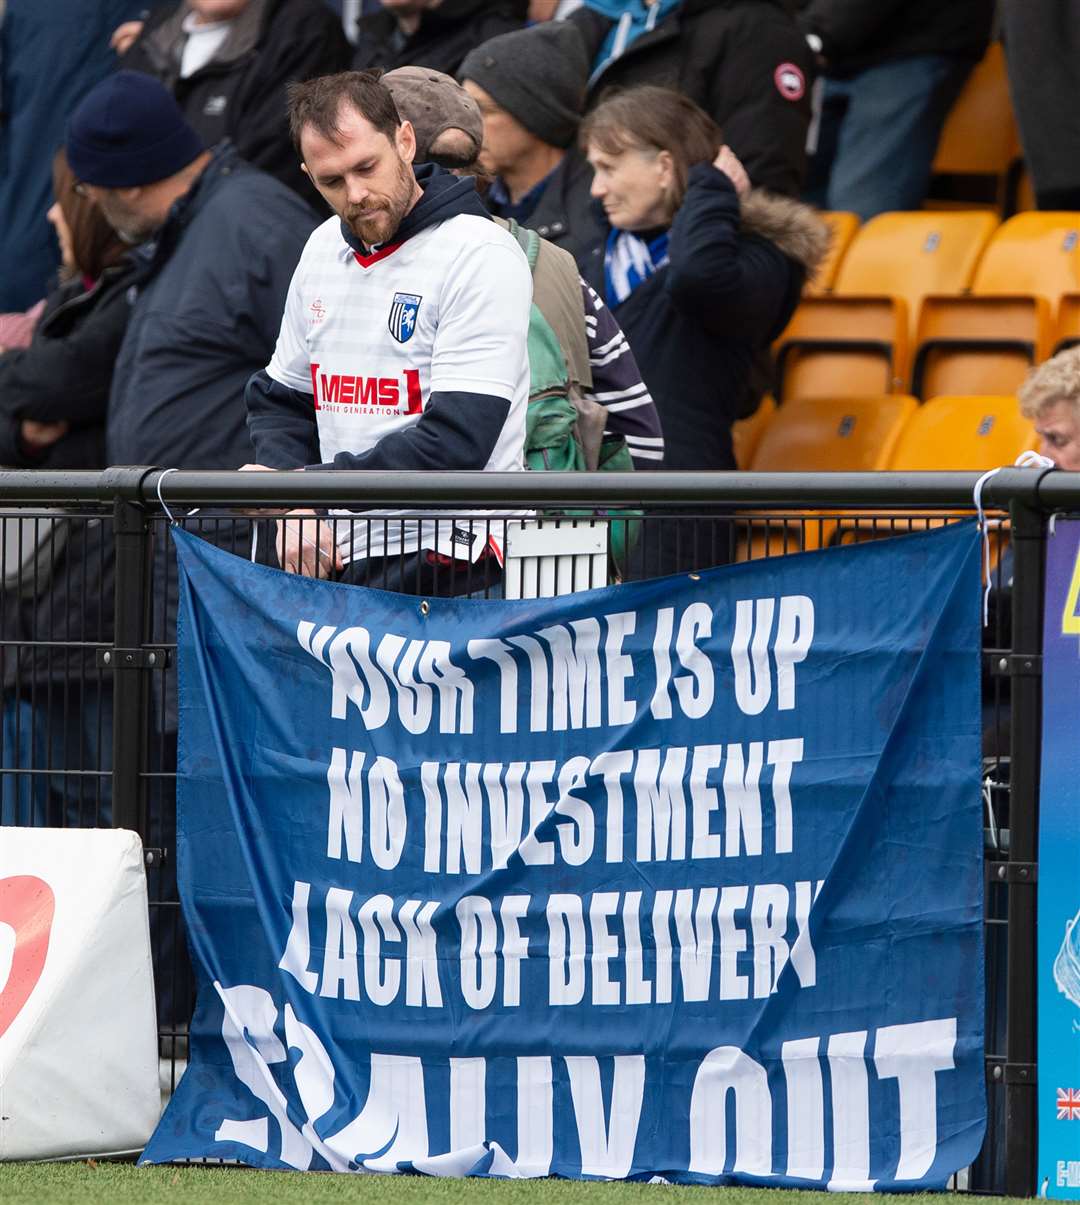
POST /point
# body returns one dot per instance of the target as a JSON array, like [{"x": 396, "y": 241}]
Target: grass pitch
[{"x": 93, "y": 1183}]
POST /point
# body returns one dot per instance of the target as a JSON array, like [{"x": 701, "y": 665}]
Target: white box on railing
[{"x": 549, "y": 557}]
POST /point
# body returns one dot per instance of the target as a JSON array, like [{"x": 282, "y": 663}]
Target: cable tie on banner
[
  {"x": 173, "y": 522},
  {"x": 1026, "y": 460},
  {"x": 161, "y": 499},
  {"x": 1032, "y": 460}
]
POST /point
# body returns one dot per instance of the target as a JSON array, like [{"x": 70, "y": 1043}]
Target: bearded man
[{"x": 403, "y": 344}]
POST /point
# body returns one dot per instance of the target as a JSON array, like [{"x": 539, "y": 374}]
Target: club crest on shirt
[{"x": 403, "y": 311}]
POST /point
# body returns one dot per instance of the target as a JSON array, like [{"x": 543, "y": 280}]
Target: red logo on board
[{"x": 27, "y": 906}]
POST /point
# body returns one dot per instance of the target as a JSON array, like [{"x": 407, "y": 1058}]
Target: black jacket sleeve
[
  {"x": 845, "y": 26},
  {"x": 593, "y": 27},
  {"x": 66, "y": 378},
  {"x": 456, "y": 431},
  {"x": 761, "y": 96},
  {"x": 740, "y": 286},
  {"x": 299, "y": 46},
  {"x": 281, "y": 423}
]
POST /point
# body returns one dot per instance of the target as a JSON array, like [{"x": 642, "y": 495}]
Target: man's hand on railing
[
  {"x": 306, "y": 544},
  {"x": 261, "y": 512}
]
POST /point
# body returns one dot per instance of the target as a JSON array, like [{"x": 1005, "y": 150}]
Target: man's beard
[
  {"x": 382, "y": 226},
  {"x": 131, "y": 228}
]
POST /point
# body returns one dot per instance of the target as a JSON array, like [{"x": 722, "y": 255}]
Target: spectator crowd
[
  {"x": 172, "y": 240},
  {"x": 431, "y": 235},
  {"x": 655, "y": 147}
]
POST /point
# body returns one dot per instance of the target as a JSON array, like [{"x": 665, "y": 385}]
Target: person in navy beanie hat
[
  {"x": 131, "y": 149},
  {"x": 218, "y": 242},
  {"x": 129, "y": 131}
]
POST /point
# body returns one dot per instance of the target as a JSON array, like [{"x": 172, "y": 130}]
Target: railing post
[
  {"x": 1028, "y": 540},
  {"x": 131, "y": 615}
]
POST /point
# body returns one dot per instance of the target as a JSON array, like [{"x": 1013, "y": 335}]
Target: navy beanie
[{"x": 127, "y": 131}]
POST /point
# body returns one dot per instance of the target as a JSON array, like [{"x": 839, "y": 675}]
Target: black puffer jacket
[
  {"x": 211, "y": 291},
  {"x": 735, "y": 274},
  {"x": 745, "y": 62},
  {"x": 857, "y": 34},
  {"x": 62, "y": 599},
  {"x": 240, "y": 93},
  {"x": 442, "y": 40},
  {"x": 65, "y": 373}
]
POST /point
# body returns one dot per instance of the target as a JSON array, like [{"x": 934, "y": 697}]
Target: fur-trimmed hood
[{"x": 797, "y": 229}]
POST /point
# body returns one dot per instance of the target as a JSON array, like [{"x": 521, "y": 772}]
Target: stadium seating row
[
  {"x": 934, "y": 303},
  {"x": 893, "y": 431}
]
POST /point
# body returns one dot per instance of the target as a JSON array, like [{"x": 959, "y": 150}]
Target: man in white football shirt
[{"x": 403, "y": 344}]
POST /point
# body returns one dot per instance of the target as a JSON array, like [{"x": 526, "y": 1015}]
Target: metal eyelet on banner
[{"x": 425, "y": 607}]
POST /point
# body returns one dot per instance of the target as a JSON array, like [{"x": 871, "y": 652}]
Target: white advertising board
[{"x": 78, "y": 1040}]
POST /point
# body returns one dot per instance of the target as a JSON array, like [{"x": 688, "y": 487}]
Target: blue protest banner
[
  {"x": 1059, "y": 864},
  {"x": 680, "y": 878}
]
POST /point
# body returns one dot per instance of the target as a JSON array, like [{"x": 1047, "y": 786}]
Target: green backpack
[{"x": 564, "y": 431}]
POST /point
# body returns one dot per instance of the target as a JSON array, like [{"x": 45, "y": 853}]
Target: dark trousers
[
  {"x": 425, "y": 573},
  {"x": 878, "y": 134}
]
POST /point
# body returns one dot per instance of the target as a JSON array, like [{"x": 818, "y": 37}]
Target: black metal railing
[{"x": 87, "y": 631}]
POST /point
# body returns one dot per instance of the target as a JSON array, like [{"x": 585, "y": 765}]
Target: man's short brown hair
[
  {"x": 318, "y": 103},
  {"x": 1058, "y": 380}
]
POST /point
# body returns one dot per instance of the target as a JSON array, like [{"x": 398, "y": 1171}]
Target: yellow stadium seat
[
  {"x": 843, "y": 227},
  {"x": 842, "y": 347},
  {"x": 746, "y": 433},
  {"x": 1034, "y": 253},
  {"x": 1067, "y": 327},
  {"x": 819, "y": 435},
  {"x": 972, "y": 433},
  {"x": 811, "y": 435},
  {"x": 893, "y": 262},
  {"x": 980, "y": 137},
  {"x": 985, "y": 343},
  {"x": 910, "y": 255},
  {"x": 1025, "y": 199},
  {"x": 979, "y": 345}
]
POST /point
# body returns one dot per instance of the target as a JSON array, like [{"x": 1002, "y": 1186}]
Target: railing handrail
[{"x": 1043, "y": 489}]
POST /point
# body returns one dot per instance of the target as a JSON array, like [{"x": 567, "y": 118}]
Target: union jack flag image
[{"x": 1068, "y": 1104}]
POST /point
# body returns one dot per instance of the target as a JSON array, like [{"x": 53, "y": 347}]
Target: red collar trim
[{"x": 365, "y": 261}]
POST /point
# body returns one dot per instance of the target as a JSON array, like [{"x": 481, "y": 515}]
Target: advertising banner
[
  {"x": 78, "y": 1033},
  {"x": 1059, "y": 871}
]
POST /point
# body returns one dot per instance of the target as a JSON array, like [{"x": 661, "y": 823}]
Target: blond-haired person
[{"x": 1050, "y": 397}]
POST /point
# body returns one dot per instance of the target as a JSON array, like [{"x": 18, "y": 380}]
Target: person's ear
[
  {"x": 665, "y": 166},
  {"x": 304, "y": 169},
  {"x": 405, "y": 141}
]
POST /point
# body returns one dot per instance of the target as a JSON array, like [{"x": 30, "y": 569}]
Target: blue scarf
[
  {"x": 629, "y": 261},
  {"x": 632, "y": 18}
]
